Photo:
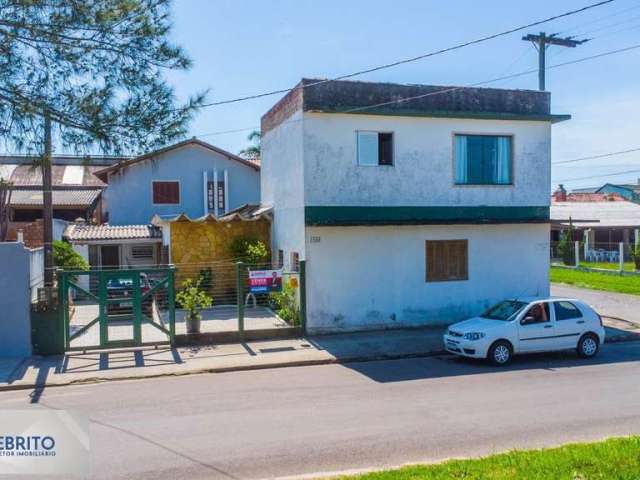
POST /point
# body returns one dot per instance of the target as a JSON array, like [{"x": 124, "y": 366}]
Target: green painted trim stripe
[
  {"x": 352, "y": 216},
  {"x": 533, "y": 117}
]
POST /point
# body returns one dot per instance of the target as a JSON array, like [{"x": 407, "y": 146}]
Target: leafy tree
[
  {"x": 252, "y": 152},
  {"x": 93, "y": 68},
  {"x": 64, "y": 256}
]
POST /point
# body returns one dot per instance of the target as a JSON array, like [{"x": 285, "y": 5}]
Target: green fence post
[
  {"x": 102, "y": 307},
  {"x": 303, "y": 296},
  {"x": 63, "y": 305},
  {"x": 172, "y": 304},
  {"x": 137, "y": 309},
  {"x": 240, "y": 289}
]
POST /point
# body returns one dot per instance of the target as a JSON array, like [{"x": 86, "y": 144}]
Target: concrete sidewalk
[{"x": 98, "y": 366}]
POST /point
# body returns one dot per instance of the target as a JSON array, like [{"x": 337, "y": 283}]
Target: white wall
[
  {"x": 282, "y": 185},
  {"x": 423, "y": 162},
  {"x": 359, "y": 277}
]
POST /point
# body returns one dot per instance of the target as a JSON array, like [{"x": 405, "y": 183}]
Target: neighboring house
[
  {"x": 190, "y": 177},
  {"x": 114, "y": 246},
  {"x": 409, "y": 213},
  {"x": 630, "y": 191},
  {"x": 77, "y": 192},
  {"x": 600, "y": 224}
]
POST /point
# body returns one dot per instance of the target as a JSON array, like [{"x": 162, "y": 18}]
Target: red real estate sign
[{"x": 265, "y": 281}]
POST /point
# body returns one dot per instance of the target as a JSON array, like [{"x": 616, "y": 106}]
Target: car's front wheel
[
  {"x": 500, "y": 353},
  {"x": 588, "y": 346}
]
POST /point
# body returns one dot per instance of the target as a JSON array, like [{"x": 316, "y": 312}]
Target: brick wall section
[
  {"x": 282, "y": 110},
  {"x": 33, "y": 232}
]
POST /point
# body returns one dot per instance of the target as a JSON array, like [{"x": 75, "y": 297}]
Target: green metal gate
[{"x": 117, "y": 308}]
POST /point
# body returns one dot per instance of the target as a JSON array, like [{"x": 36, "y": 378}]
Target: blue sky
[{"x": 243, "y": 47}]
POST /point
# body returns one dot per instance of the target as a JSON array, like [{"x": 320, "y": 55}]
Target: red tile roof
[{"x": 82, "y": 232}]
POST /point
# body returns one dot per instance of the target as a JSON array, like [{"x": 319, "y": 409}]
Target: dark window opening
[
  {"x": 167, "y": 193},
  {"x": 375, "y": 148}
]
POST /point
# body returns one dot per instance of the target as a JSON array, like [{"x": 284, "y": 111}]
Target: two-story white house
[{"x": 412, "y": 204}]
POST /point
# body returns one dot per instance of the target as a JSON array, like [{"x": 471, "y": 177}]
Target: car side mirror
[{"x": 527, "y": 320}]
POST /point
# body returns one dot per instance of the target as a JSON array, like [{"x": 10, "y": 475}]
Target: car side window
[
  {"x": 539, "y": 313},
  {"x": 566, "y": 311}
]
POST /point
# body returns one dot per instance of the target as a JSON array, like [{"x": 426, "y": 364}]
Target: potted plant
[{"x": 193, "y": 299}]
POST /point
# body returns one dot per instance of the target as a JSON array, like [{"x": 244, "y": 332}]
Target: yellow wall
[
  {"x": 205, "y": 246},
  {"x": 209, "y": 241}
]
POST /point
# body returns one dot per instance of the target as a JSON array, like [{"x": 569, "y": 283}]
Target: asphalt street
[{"x": 313, "y": 420}]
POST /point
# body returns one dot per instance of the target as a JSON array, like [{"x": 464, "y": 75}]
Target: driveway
[
  {"x": 608, "y": 304},
  {"x": 309, "y": 420}
]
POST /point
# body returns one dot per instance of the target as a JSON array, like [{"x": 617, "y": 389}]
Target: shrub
[
  {"x": 249, "y": 250},
  {"x": 285, "y": 305},
  {"x": 635, "y": 255},
  {"x": 64, "y": 256}
]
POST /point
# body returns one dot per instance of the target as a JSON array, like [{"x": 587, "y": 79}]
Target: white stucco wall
[
  {"x": 282, "y": 186},
  {"x": 423, "y": 168},
  {"x": 360, "y": 277}
]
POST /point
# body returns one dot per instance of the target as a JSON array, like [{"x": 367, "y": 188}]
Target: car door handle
[
  {"x": 580, "y": 321},
  {"x": 548, "y": 326}
]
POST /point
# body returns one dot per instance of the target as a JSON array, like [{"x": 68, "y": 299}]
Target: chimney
[{"x": 560, "y": 195}]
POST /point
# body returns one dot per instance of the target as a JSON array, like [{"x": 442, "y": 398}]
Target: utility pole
[
  {"x": 541, "y": 41},
  {"x": 47, "y": 207}
]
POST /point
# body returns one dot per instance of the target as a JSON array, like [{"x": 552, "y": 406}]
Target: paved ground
[
  {"x": 611, "y": 304},
  {"x": 217, "y": 319},
  {"x": 281, "y": 422}
]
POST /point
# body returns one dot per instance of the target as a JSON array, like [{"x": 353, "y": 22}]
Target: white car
[{"x": 527, "y": 325}]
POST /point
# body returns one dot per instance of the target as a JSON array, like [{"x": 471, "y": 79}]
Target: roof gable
[{"x": 105, "y": 172}]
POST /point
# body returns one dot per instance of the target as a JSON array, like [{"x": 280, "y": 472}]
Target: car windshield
[{"x": 504, "y": 310}]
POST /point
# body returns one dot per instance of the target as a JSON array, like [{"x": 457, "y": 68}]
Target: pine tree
[{"x": 95, "y": 69}]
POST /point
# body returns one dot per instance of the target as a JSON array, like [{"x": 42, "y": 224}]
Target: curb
[
  {"x": 264, "y": 366},
  {"x": 239, "y": 368}
]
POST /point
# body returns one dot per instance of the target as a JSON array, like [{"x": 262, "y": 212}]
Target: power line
[
  {"x": 593, "y": 157},
  {"x": 598, "y": 176},
  {"x": 445, "y": 90},
  {"x": 409, "y": 60},
  {"x": 596, "y": 20}
]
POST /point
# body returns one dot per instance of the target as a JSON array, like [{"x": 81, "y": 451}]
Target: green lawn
[
  {"x": 628, "y": 266},
  {"x": 617, "y": 458},
  {"x": 596, "y": 280}
]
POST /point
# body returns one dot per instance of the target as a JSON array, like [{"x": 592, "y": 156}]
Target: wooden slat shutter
[{"x": 446, "y": 260}]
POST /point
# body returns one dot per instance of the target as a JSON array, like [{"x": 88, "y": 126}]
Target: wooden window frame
[
  {"x": 432, "y": 276},
  {"x": 153, "y": 197}
]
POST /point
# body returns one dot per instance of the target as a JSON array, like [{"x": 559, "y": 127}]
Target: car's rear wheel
[
  {"x": 500, "y": 353},
  {"x": 588, "y": 346}
]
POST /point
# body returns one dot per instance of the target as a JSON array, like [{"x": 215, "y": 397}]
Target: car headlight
[{"x": 473, "y": 336}]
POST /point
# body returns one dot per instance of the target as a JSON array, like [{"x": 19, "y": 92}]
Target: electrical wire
[
  {"x": 451, "y": 89},
  {"x": 593, "y": 157},
  {"x": 598, "y": 176},
  {"x": 408, "y": 60}
]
